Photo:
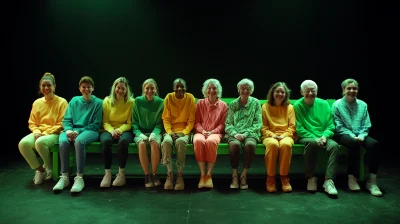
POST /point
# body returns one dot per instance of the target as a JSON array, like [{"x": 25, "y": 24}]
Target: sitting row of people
[{"x": 167, "y": 124}]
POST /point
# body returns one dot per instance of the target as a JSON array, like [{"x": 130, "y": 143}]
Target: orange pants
[
  {"x": 273, "y": 147},
  {"x": 205, "y": 149}
]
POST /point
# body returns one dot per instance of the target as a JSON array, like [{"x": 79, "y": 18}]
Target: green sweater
[
  {"x": 314, "y": 121},
  {"x": 146, "y": 115}
]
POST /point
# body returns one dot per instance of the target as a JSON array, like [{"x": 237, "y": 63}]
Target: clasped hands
[
  {"x": 206, "y": 133},
  {"x": 176, "y": 135},
  {"x": 240, "y": 137},
  {"x": 321, "y": 142},
  {"x": 71, "y": 135}
]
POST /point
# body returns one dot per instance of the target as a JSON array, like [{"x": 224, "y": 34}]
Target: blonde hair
[
  {"x": 128, "y": 94},
  {"x": 147, "y": 81}
]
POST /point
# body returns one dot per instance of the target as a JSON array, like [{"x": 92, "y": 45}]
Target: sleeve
[
  {"x": 365, "y": 125},
  {"x": 57, "y": 127},
  {"x": 291, "y": 123},
  {"x": 230, "y": 119},
  {"x": 198, "y": 120},
  {"x": 128, "y": 125},
  {"x": 265, "y": 129},
  {"x": 135, "y": 119},
  {"x": 106, "y": 116},
  {"x": 67, "y": 120},
  {"x": 192, "y": 114},
  {"x": 339, "y": 124},
  {"x": 166, "y": 116},
  {"x": 330, "y": 126},
  {"x": 159, "y": 122},
  {"x": 33, "y": 122}
]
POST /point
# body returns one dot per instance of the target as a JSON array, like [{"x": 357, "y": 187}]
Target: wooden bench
[{"x": 223, "y": 149}]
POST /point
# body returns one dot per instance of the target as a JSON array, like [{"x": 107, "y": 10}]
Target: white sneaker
[
  {"x": 120, "y": 180},
  {"x": 312, "y": 184},
  {"x": 374, "y": 189},
  {"x": 39, "y": 177},
  {"x": 62, "y": 183},
  {"x": 353, "y": 185},
  {"x": 106, "y": 182},
  {"x": 49, "y": 174},
  {"x": 79, "y": 184},
  {"x": 329, "y": 187}
]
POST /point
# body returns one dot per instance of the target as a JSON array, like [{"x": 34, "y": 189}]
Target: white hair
[
  {"x": 246, "y": 82},
  {"x": 308, "y": 82},
  {"x": 216, "y": 83}
]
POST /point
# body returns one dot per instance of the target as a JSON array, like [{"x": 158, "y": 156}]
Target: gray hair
[
  {"x": 246, "y": 82},
  {"x": 308, "y": 82},
  {"x": 216, "y": 83}
]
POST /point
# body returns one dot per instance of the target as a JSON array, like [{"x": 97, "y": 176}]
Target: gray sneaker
[{"x": 169, "y": 181}]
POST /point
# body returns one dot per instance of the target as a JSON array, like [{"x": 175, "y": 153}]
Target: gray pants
[
  {"x": 310, "y": 156},
  {"x": 180, "y": 146}
]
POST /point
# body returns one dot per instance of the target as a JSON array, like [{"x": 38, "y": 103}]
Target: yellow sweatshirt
[
  {"x": 179, "y": 114},
  {"x": 118, "y": 116},
  {"x": 278, "y": 120},
  {"x": 46, "y": 116}
]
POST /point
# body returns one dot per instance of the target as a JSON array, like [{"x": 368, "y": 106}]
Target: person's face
[
  {"x": 150, "y": 90},
  {"x": 309, "y": 92},
  {"x": 179, "y": 89},
  {"x": 350, "y": 91},
  {"x": 244, "y": 90},
  {"x": 120, "y": 90},
  {"x": 212, "y": 90},
  {"x": 47, "y": 87},
  {"x": 279, "y": 95},
  {"x": 86, "y": 89}
]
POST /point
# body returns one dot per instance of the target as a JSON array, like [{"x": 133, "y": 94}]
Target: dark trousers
[
  {"x": 372, "y": 148},
  {"x": 123, "y": 143},
  {"x": 234, "y": 151}
]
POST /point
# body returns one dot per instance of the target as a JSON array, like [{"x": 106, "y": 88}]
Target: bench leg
[
  {"x": 361, "y": 175},
  {"x": 55, "y": 166}
]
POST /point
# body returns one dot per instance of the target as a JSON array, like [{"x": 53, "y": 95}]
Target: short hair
[
  {"x": 216, "y": 83},
  {"x": 307, "y": 82},
  {"x": 179, "y": 80},
  {"x": 270, "y": 96},
  {"x": 349, "y": 81},
  {"x": 86, "y": 79},
  {"x": 47, "y": 76},
  {"x": 152, "y": 81},
  {"x": 248, "y": 82},
  {"x": 128, "y": 93}
]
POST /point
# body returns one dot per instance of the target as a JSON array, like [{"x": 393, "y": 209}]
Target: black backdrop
[{"x": 264, "y": 40}]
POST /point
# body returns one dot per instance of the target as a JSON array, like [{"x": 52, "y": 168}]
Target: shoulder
[{"x": 190, "y": 96}]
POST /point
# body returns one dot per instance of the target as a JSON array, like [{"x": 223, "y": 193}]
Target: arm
[
  {"x": 166, "y": 116},
  {"x": 229, "y": 122},
  {"x": 32, "y": 122},
  {"x": 265, "y": 129},
  {"x": 192, "y": 114},
  {"x": 67, "y": 120},
  {"x": 106, "y": 116},
  {"x": 198, "y": 118},
  {"x": 330, "y": 126},
  {"x": 291, "y": 123},
  {"x": 365, "y": 125},
  {"x": 340, "y": 128},
  {"x": 135, "y": 120}
]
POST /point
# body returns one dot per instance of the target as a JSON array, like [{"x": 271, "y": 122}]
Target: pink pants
[{"x": 205, "y": 149}]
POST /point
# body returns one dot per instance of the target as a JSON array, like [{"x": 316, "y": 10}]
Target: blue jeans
[{"x": 80, "y": 143}]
